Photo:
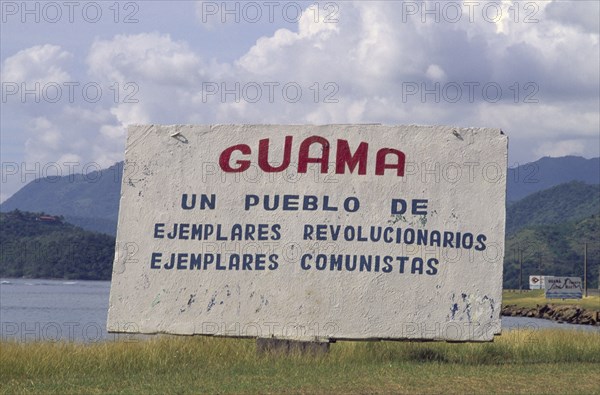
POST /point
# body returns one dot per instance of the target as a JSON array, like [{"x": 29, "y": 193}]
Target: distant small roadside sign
[
  {"x": 563, "y": 288},
  {"x": 536, "y": 282}
]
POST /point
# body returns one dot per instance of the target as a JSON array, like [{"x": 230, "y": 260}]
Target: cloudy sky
[{"x": 74, "y": 74}]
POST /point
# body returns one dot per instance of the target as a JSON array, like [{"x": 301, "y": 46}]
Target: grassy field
[
  {"x": 532, "y": 362},
  {"x": 535, "y": 297}
]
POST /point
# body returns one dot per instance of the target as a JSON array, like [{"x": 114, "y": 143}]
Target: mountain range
[
  {"x": 92, "y": 201},
  {"x": 523, "y": 180}
]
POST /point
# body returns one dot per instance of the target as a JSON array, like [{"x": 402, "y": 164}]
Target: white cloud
[
  {"x": 45, "y": 140},
  {"x": 70, "y": 158},
  {"x": 40, "y": 63},
  {"x": 145, "y": 56},
  {"x": 367, "y": 58},
  {"x": 130, "y": 113},
  {"x": 435, "y": 72},
  {"x": 369, "y": 55},
  {"x": 583, "y": 14},
  {"x": 113, "y": 132},
  {"x": 561, "y": 148}
]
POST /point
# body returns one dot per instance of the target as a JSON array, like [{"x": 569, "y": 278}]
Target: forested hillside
[
  {"x": 553, "y": 250},
  {"x": 37, "y": 245},
  {"x": 562, "y": 203}
]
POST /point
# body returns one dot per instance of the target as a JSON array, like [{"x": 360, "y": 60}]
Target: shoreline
[{"x": 571, "y": 314}]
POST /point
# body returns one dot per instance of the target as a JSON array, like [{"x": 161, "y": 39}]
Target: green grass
[
  {"x": 532, "y": 362},
  {"x": 535, "y": 297}
]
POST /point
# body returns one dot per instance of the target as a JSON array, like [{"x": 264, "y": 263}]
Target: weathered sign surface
[
  {"x": 563, "y": 287},
  {"x": 311, "y": 232}
]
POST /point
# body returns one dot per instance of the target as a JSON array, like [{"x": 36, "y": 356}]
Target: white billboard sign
[
  {"x": 536, "y": 282},
  {"x": 311, "y": 232},
  {"x": 563, "y": 288}
]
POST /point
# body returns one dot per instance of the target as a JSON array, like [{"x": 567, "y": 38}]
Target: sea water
[{"x": 53, "y": 310}]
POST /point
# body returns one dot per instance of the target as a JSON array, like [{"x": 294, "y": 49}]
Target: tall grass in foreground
[
  {"x": 210, "y": 364},
  {"x": 164, "y": 352}
]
